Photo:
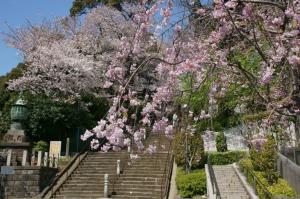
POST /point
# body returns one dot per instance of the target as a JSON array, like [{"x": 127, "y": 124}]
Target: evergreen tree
[{"x": 221, "y": 143}]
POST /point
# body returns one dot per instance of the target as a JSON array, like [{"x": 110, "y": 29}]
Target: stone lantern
[
  {"x": 15, "y": 138},
  {"x": 18, "y": 114}
]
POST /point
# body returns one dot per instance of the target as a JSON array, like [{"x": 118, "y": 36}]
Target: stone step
[
  {"x": 77, "y": 196},
  {"x": 143, "y": 172},
  {"x": 118, "y": 186},
  {"x": 80, "y": 192},
  {"x": 137, "y": 189},
  {"x": 74, "y": 183},
  {"x": 229, "y": 183},
  {"x": 133, "y": 197},
  {"x": 236, "y": 197},
  {"x": 89, "y": 176},
  {"x": 140, "y": 178},
  {"x": 138, "y": 193}
]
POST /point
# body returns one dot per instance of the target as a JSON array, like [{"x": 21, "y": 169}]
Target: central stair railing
[
  {"x": 124, "y": 163},
  {"x": 213, "y": 180},
  {"x": 165, "y": 185},
  {"x": 258, "y": 186}
]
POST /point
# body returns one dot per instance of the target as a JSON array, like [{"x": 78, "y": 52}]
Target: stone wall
[{"x": 25, "y": 181}]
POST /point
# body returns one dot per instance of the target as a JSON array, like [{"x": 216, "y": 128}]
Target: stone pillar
[
  {"x": 51, "y": 160},
  {"x": 46, "y": 159},
  {"x": 56, "y": 161},
  {"x": 105, "y": 193},
  {"x": 8, "y": 159},
  {"x": 24, "y": 157},
  {"x": 39, "y": 160},
  {"x": 32, "y": 158},
  {"x": 68, "y": 147},
  {"x": 118, "y": 167}
]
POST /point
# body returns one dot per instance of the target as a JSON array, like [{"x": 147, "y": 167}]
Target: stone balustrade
[
  {"x": 37, "y": 170},
  {"x": 35, "y": 159}
]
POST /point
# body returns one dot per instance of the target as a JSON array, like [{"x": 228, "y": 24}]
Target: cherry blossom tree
[{"x": 110, "y": 52}]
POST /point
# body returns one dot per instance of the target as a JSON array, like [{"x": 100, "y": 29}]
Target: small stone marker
[
  {"x": 24, "y": 157},
  {"x": 32, "y": 158},
  {"x": 46, "y": 159},
  {"x": 8, "y": 159},
  {"x": 7, "y": 170},
  {"x": 105, "y": 193},
  {"x": 55, "y": 148},
  {"x": 55, "y": 162},
  {"x": 39, "y": 160}
]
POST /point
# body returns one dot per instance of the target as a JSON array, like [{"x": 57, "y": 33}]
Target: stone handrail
[
  {"x": 213, "y": 180},
  {"x": 167, "y": 176},
  {"x": 64, "y": 174}
]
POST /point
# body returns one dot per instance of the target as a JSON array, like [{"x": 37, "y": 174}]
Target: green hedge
[
  {"x": 223, "y": 158},
  {"x": 191, "y": 184}
]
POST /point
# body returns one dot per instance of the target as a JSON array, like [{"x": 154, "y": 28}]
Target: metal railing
[
  {"x": 165, "y": 185},
  {"x": 213, "y": 180},
  {"x": 259, "y": 188}
]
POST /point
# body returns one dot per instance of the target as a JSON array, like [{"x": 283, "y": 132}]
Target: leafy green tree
[
  {"x": 221, "y": 143},
  {"x": 195, "y": 148},
  {"x": 41, "y": 146},
  {"x": 265, "y": 159},
  {"x": 49, "y": 119},
  {"x": 7, "y": 97}
]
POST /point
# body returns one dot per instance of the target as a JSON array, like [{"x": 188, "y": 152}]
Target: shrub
[
  {"x": 63, "y": 162},
  {"x": 41, "y": 146},
  {"x": 195, "y": 148},
  {"x": 221, "y": 143},
  {"x": 282, "y": 188},
  {"x": 223, "y": 158},
  {"x": 191, "y": 184},
  {"x": 278, "y": 188},
  {"x": 264, "y": 160},
  {"x": 246, "y": 163}
]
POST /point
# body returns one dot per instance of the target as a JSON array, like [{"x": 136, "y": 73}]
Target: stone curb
[{"x": 243, "y": 179}]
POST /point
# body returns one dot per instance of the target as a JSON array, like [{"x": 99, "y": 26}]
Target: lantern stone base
[
  {"x": 17, "y": 152},
  {"x": 15, "y": 136}
]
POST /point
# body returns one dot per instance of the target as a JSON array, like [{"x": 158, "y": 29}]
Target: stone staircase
[
  {"x": 144, "y": 178},
  {"x": 141, "y": 178},
  {"x": 229, "y": 184},
  {"x": 87, "y": 181}
]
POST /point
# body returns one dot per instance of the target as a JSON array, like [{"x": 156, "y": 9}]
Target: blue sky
[{"x": 15, "y": 13}]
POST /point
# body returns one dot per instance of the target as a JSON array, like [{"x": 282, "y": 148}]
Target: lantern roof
[{"x": 20, "y": 101}]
